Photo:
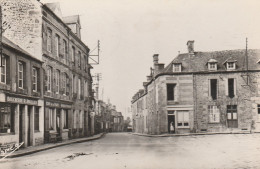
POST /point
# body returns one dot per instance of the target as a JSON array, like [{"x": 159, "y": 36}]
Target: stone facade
[{"x": 213, "y": 92}]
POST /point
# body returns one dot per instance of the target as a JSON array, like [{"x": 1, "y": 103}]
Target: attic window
[
  {"x": 212, "y": 66},
  {"x": 231, "y": 65},
  {"x": 177, "y": 67}
]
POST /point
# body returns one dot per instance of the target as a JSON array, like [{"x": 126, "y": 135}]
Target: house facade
[
  {"x": 41, "y": 31},
  {"x": 200, "y": 92},
  {"x": 21, "y": 97}
]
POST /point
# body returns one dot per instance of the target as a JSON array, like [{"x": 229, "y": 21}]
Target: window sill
[
  {"x": 183, "y": 127},
  {"x": 6, "y": 134}
]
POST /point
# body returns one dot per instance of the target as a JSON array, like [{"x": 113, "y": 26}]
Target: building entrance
[{"x": 171, "y": 123}]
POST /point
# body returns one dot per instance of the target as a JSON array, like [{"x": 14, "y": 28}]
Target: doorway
[
  {"x": 29, "y": 126},
  {"x": 171, "y": 121}
]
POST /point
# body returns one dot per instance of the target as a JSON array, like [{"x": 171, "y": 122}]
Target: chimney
[
  {"x": 155, "y": 58},
  {"x": 149, "y": 78},
  {"x": 190, "y": 45}
]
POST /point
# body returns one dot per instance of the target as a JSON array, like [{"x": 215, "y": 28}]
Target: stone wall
[{"x": 23, "y": 23}]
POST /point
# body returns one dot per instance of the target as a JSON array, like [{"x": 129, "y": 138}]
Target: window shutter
[
  {"x": 8, "y": 79},
  {"x": 38, "y": 81},
  {"x": 24, "y": 76},
  {"x": 209, "y": 88},
  {"x": 226, "y": 86},
  {"x": 45, "y": 80},
  {"x": 54, "y": 82}
]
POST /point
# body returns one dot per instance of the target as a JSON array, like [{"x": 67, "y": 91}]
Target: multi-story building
[
  {"x": 200, "y": 92},
  {"x": 21, "y": 97},
  {"x": 40, "y": 30}
]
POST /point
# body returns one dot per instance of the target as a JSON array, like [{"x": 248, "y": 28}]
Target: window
[
  {"x": 213, "y": 88},
  {"x": 73, "y": 55},
  {"x": 3, "y": 70},
  {"x": 49, "y": 78},
  {"x": 183, "y": 118},
  {"x": 57, "y": 45},
  {"x": 79, "y": 59},
  {"x": 64, "y": 49},
  {"x": 6, "y": 119},
  {"x": 258, "y": 111},
  {"x": 212, "y": 66},
  {"x": 232, "y": 116},
  {"x": 57, "y": 81},
  {"x": 79, "y": 87},
  {"x": 20, "y": 75},
  {"x": 213, "y": 114},
  {"x": 170, "y": 91},
  {"x": 36, "y": 119},
  {"x": 49, "y": 41},
  {"x": 51, "y": 119},
  {"x": 65, "y": 119},
  {"x": 80, "y": 119},
  {"x": 67, "y": 85},
  {"x": 231, "y": 87},
  {"x": 34, "y": 79},
  {"x": 231, "y": 65},
  {"x": 177, "y": 67}
]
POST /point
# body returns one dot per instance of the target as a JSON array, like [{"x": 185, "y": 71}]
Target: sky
[{"x": 131, "y": 31}]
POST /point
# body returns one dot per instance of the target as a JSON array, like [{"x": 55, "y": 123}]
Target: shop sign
[
  {"x": 52, "y": 104},
  {"x": 65, "y": 106},
  {"x": 21, "y": 100}
]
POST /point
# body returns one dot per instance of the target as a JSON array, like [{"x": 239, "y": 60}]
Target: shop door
[
  {"x": 29, "y": 126},
  {"x": 21, "y": 112},
  {"x": 171, "y": 122},
  {"x": 232, "y": 116}
]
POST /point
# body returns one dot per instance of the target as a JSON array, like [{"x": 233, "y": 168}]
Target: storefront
[
  {"x": 20, "y": 120},
  {"x": 56, "y": 120}
]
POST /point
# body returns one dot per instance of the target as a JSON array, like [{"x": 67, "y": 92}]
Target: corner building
[{"x": 200, "y": 92}]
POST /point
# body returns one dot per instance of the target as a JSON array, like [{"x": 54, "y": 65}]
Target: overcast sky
[{"x": 131, "y": 31}]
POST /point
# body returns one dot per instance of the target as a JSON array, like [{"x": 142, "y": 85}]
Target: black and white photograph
[{"x": 129, "y": 84}]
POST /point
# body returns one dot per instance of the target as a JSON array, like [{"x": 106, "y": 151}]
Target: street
[{"x": 124, "y": 150}]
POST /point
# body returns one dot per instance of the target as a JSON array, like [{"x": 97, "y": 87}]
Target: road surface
[{"x": 124, "y": 150}]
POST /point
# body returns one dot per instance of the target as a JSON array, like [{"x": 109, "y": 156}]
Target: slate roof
[
  {"x": 9, "y": 43},
  {"x": 198, "y": 61}
]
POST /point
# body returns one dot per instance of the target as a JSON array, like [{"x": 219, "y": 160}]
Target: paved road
[{"x": 123, "y": 150}]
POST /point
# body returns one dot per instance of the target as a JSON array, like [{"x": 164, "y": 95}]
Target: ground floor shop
[{"x": 21, "y": 120}]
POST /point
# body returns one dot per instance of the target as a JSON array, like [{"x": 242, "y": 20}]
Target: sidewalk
[
  {"x": 189, "y": 134},
  {"x": 35, "y": 149}
]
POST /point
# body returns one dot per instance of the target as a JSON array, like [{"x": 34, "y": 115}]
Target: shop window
[
  {"x": 6, "y": 119},
  {"x": 231, "y": 88},
  {"x": 49, "y": 40},
  {"x": 65, "y": 119},
  {"x": 183, "y": 119},
  {"x": 34, "y": 79},
  {"x": 37, "y": 119},
  {"x": 51, "y": 119},
  {"x": 80, "y": 119},
  {"x": 213, "y": 114},
  {"x": 3, "y": 70},
  {"x": 21, "y": 75},
  {"x": 213, "y": 88},
  {"x": 170, "y": 91}
]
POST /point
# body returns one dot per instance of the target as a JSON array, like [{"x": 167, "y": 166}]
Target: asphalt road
[{"x": 124, "y": 150}]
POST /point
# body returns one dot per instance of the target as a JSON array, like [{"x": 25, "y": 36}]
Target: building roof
[
  {"x": 16, "y": 47},
  {"x": 197, "y": 62},
  {"x": 55, "y": 7},
  {"x": 71, "y": 19}
]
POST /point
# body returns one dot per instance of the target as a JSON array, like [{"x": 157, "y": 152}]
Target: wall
[{"x": 24, "y": 18}]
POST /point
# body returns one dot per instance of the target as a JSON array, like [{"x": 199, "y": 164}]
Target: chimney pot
[
  {"x": 155, "y": 58},
  {"x": 190, "y": 45}
]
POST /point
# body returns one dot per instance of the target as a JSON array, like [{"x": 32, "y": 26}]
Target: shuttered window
[
  {"x": 3, "y": 70},
  {"x": 214, "y": 114},
  {"x": 183, "y": 118}
]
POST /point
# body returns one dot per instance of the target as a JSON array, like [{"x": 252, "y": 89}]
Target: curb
[
  {"x": 57, "y": 145},
  {"x": 189, "y": 134}
]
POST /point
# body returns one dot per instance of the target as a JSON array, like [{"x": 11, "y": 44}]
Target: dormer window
[
  {"x": 212, "y": 64},
  {"x": 177, "y": 67},
  {"x": 231, "y": 65}
]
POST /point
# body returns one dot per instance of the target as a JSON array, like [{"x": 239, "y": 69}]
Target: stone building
[
  {"x": 40, "y": 30},
  {"x": 21, "y": 97},
  {"x": 200, "y": 92}
]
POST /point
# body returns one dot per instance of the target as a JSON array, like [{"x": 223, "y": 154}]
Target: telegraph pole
[
  {"x": 1, "y": 38},
  {"x": 247, "y": 78}
]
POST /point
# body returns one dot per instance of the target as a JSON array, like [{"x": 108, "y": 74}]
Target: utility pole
[
  {"x": 247, "y": 76},
  {"x": 1, "y": 37},
  {"x": 92, "y": 57}
]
